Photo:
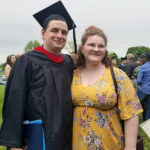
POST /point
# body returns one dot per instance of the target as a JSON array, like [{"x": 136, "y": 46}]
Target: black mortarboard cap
[{"x": 59, "y": 9}]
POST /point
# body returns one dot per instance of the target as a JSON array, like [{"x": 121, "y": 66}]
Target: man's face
[
  {"x": 143, "y": 60},
  {"x": 124, "y": 61},
  {"x": 55, "y": 36}
]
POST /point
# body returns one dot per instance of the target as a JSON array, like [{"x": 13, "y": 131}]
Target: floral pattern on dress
[
  {"x": 97, "y": 113},
  {"x": 94, "y": 142}
]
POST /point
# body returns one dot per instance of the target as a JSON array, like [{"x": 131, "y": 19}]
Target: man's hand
[{"x": 74, "y": 57}]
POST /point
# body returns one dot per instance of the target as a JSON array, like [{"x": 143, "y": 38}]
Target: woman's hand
[{"x": 74, "y": 57}]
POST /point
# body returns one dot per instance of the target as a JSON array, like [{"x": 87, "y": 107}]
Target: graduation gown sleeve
[{"x": 14, "y": 105}]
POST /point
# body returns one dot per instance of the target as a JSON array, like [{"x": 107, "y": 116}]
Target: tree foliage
[
  {"x": 114, "y": 55},
  {"x": 2, "y": 66},
  {"x": 31, "y": 45},
  {"x": 138, "y": 50},
  {"x": 69, "y": 46}
]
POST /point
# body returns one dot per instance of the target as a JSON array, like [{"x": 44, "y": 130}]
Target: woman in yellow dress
[{"x": 97, "y": 112}]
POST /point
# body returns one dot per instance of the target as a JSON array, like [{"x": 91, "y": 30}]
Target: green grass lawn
[
  {"x": 1, "y": 104},
  {"x": 145, "y": 138},
  {"x": 2, "y": 73},
  {"x": 1, "y": 100}
]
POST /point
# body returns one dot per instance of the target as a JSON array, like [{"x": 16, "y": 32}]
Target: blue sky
[{"x": 125, "y": 22}]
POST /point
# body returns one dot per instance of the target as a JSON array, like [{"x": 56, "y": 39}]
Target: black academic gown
[{"x": 39, "y": 88}]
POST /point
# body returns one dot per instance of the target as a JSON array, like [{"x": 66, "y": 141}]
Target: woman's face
[
  {"x": 114, "y": 62},
  {"x": 94, "y": 49},
  {"x": 13, "y": 59}
]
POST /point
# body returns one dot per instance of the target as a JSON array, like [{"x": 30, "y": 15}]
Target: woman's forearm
[{"x": 131, "y": 130}]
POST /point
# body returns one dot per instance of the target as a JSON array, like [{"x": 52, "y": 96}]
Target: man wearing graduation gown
[{"x": 39, "y": 88}]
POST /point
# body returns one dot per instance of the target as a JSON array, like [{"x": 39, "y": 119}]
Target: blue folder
[{"x": 34, "y": 135}]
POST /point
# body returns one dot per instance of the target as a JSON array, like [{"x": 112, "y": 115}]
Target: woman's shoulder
[
  {"x": 118, "y": 71},
  {"x": 77, "y": 71},
  {"x": 7, "y": 66},
  {"x": 120, "y": 74}
]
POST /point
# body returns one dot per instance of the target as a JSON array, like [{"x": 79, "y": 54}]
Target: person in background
[
  {"x": 11, "y": 59},
  {"x": 143, "y": 58},
  {"x": 123, "y": 64},
  {"x": 113, "y": 62},
  {"x": 143, "y": 80},
  {"x": 39, "y": 86},
  {"x": 132, "y": 64},
  {"x": 97, "y": 110},
  {"x": 141, "y": 61}
]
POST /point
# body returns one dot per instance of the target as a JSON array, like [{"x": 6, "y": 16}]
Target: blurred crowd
[{"x": 138, "y": 70}]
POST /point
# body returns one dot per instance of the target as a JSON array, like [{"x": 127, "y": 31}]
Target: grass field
[
  {"x": 2, "y": 73},
  {"x": 1, "y": 104},
  {"x": 145, "y": 138}
]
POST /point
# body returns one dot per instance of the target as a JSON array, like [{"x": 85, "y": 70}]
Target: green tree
[
  {"x": 69, "y": 46},
  {"x": 2, "y": 66},
  {"x": 138, "y": 50},
  {"x": 114, "y": 55},
  {"x": 31, "y": 45}
]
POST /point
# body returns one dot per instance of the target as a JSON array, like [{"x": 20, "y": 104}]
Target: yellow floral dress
[{"x": 96, "y": 124}]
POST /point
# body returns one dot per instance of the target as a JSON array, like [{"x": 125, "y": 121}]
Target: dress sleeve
[
  {"x": 128, "y": 102},
  {"x": 11, "y": 133}
]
